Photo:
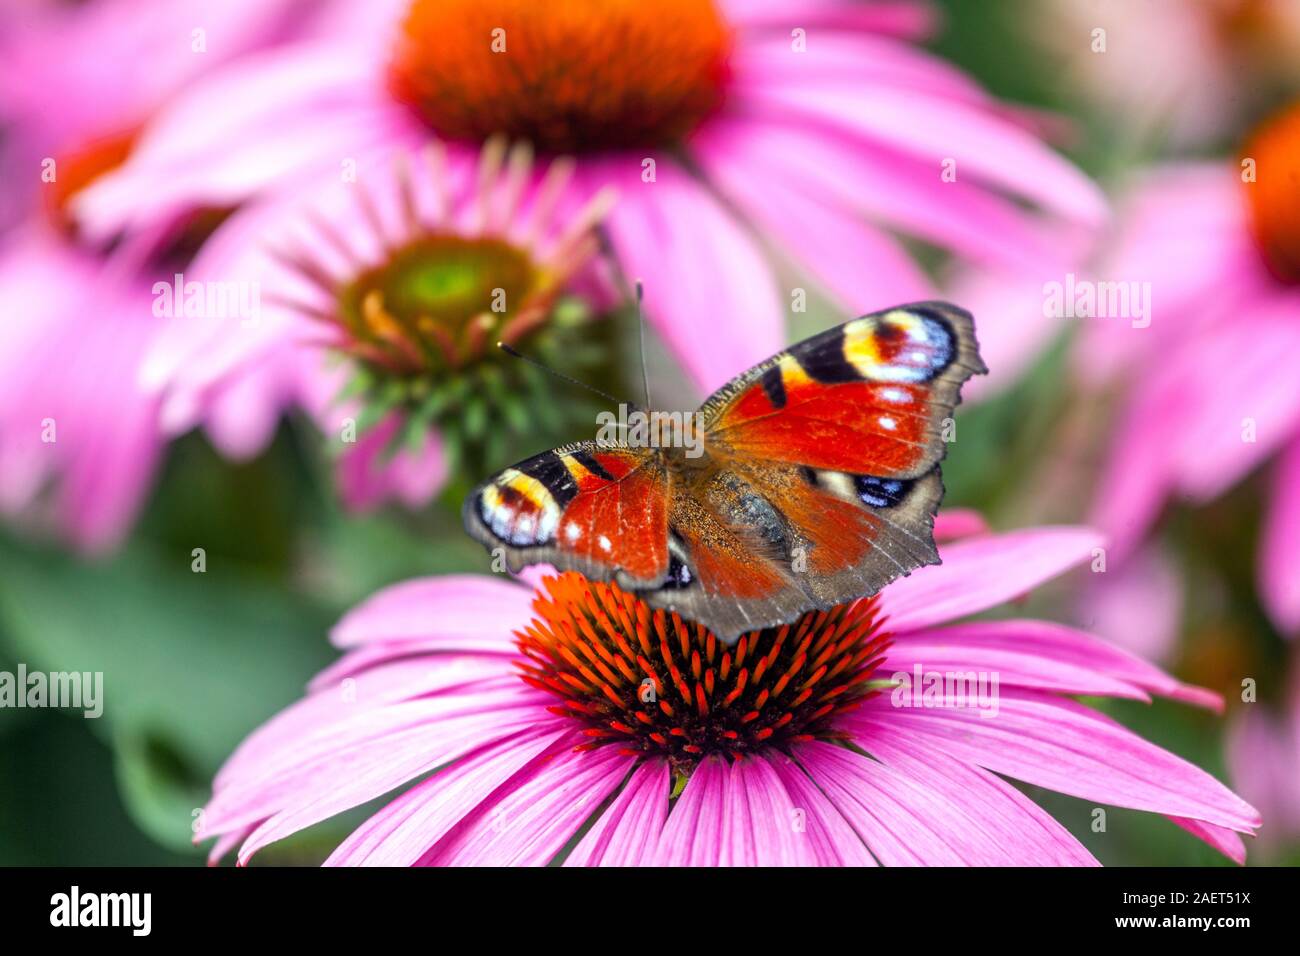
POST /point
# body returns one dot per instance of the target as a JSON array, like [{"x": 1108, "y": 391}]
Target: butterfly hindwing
[{"x": 831, "y": 450}]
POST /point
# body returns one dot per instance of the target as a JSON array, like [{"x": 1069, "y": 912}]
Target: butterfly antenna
[
  {"x": 640, "y": 323},
  {"x": 560, "y": 375}
]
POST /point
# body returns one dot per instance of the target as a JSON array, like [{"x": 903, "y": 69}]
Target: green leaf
[{"x": 191, "y": 662}]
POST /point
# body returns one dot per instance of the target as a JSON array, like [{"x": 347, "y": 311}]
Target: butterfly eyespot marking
[
  {"x": 870, "y": 490},
  {"x": 680, "y": 576},
  {"x": 519, "y": 509},
  {"x": 881, "y": 492}
]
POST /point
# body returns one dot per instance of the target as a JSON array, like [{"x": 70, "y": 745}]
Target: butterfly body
[{"x": 816, "y": 481}]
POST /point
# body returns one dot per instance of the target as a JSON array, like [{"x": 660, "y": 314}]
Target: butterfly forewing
[{"x": 585, "y": 507}]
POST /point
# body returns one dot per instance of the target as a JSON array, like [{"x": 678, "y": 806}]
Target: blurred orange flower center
[
  {"x": 1274, "y": 196},
  {"x": 568, "y": 75},
  {"x": 80, "y": 167},
  {"x": 651, "y": 683}
]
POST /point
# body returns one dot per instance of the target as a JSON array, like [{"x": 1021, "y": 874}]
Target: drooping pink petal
[
  {"x": 1225, "y": 841},
  {"x": 467, "y": 612},
  {"x": 832, "y": 840},
  {"x": 708, "y": 289},
  {"x": 901, "y": 821},
  {"x": 763, "y": 824},
  {"x": 862, "y": 268},
  {"x": 951, "y": 524},
  {"x": 901, "y": 18},
  {"x": 369, "y": 755},
  {"x": 1065, "y": 746},
  {"x": 627, "y": 833},
  {"x": 695, "y": 832},
  {"x": 1043, "y": 655},
  {"x": 985, "y": 147},
  {"x": 991, "y": 820},
  {"x": 981, "y": 573},
  {"x": 530, "y": 819},
  {"x": 72, "y": 415},
  {"x": 403, "y": 831},
  {"x": 1248, "y": 406}
]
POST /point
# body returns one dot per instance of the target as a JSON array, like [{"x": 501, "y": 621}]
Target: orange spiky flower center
[
  {"x": 1274, "y": 196},
  {"x": 652, "y": 683},
  {"x": 567, "y": 75}
]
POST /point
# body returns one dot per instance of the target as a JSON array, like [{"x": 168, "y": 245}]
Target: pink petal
[
  {"x": 708, "y": 288},
  {"x": 695, "y": 832},
  {"x": 539, "y": 810},
  {"x": 1044, "y": 655},
  {"x": 832, "y": 840},
  {"x": 1064, "y": 746},
  {"x": 936, "y": 127},
  {"x": 951, "y": 524},
  {"x": 368, "y": 475},
  {"x": 465, "y": 612},
  {"x": 897, "y": 190},
  {"x": 1225, "y": 841},
  {"x": 627, "y": 832},
  {"x": 981, "y": 573},
  {"x": 380, "y": 747},
  {"x": 403, "y": 831},
  {"x": 333, "y": 705},
  {"x": 1251, "y": 384},
  {"x": 862, "y": 268},
  {"x": 977, "y": 816},
  {"x": 764, "y": 826},
  {"x": 901, "y": 18}
]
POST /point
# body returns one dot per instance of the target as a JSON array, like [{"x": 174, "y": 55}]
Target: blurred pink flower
[
  {"x": 391, "y": 280},
  {"x": 1211, "y": 392},
  {"x": 77, "y": 85},
  {"x": 810, "y": 127},
  {"x": 1175, "y": 68},
  {"x": 1263, "y": 751},
  {"x": 680, "y": 750}
]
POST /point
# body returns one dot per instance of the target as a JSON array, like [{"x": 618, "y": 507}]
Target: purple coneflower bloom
[
  {"x": 576, "y": 724},
  {"x": 1212, "y": 392},
  {"x": 725, "y": 126},
  {"x": 79, "y": 441},
  {"x": 1168, "y": 68},
  {"x": 381, "y": 306}
]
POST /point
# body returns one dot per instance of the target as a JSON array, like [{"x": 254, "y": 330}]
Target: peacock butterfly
[{"x": 816, "y": 482}]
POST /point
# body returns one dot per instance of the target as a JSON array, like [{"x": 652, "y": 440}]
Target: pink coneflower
[
  {"x": 576, "y": 724},
  {"x": 1169, "y": 67},
  {"x": 810, "y": 127},
  {"x": 79, "y": 441},
  {"x": 1213, "y": 393},
  {"x": 382, "y": 303}
]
